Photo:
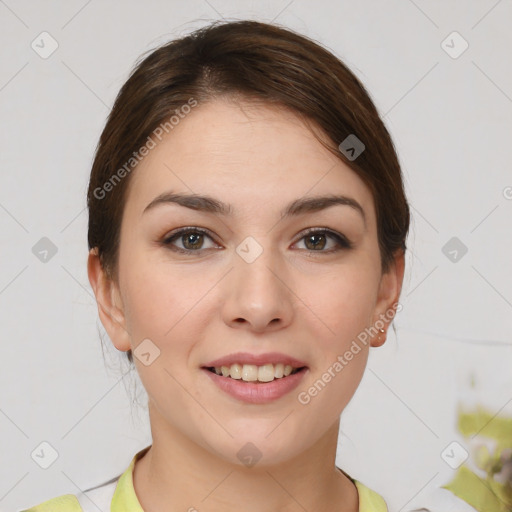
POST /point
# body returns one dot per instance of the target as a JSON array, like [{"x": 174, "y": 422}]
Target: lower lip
[{"x": 257, "y": 393}]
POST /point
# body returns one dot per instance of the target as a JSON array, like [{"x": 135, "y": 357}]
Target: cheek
[
  {"x": 340, "y": 304},
  {"x": 153, "y": 296},
  {"x": 166, "y": 304},
  {"x": 163, "y": 306},
  {"x": 330, "y": 388}
]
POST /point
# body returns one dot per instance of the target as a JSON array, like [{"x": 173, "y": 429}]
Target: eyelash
[{"x": 342, "y": 241}]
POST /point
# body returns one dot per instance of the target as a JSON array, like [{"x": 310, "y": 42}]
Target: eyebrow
[{"x": 299, "y": 206}]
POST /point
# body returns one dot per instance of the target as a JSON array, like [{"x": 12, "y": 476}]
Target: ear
[
  {"x": 387, "y": 298},
  {"x": 108, "y": 298}
]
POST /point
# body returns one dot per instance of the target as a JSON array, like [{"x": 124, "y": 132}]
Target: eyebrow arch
[{"x": 299, "y": 206}]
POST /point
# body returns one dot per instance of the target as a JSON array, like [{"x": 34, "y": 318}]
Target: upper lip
[{"x": 256, "y": 359}]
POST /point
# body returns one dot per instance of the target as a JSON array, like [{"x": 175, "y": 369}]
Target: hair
[{"x": 254, "y": 61}]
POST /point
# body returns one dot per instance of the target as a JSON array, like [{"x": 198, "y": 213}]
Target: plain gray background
[{"x": 450, "y": 117}]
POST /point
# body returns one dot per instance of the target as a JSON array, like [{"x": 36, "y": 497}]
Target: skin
[{"x": 294, "y": 298}]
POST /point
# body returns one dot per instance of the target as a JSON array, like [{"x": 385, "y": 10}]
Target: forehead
[{"x": 246, "y": 154}]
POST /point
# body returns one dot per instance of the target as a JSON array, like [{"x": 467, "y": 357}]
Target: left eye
[
  {"x": 316, "y": 238},
  {"x": 192, "y": 240}
]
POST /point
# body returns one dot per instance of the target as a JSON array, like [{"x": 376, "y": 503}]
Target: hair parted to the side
[{"x": 252, "y": 60}]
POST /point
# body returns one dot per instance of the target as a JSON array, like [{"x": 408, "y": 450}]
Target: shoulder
[
  {"x": 96, "y": 499},
  {"x": 64, "y": 503},
  {"x": 116, "y": 494},
  {"x": 437, "y": 500},
  {"x": 442, "y": 500}
]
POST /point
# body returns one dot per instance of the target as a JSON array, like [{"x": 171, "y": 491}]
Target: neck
[{"x": 178, "y": 474}]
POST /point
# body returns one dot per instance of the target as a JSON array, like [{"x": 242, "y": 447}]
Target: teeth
[{"x": 253, "y": 373}]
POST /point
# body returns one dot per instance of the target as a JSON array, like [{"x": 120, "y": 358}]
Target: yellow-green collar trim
[
  {"x": 369, "y": 501},
  {"x": 125, "y": 499}
]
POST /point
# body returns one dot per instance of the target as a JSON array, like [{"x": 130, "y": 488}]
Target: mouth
[
  {"x": 256, "y": 384},
  {"x": 255, "y": 374}
]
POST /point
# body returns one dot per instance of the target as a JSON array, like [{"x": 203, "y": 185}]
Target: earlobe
[
  {"x": 387, "y": 300},
  {"x": 380, "y": 339},
  {"x": 109, "y": 302}
]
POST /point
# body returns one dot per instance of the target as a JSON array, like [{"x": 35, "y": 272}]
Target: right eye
[{"x": 192, "y": 239}]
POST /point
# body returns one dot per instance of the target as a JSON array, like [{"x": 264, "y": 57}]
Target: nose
[{"x": 258, "y": 295}]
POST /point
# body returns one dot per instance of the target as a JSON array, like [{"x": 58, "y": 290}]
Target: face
[{"x": 197, "y": 285}]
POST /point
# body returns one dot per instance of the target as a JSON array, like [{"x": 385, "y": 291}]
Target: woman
[{"x": 247, "y": 236}]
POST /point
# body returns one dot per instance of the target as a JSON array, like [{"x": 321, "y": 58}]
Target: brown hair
[{"x": 252, "y": 60}]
